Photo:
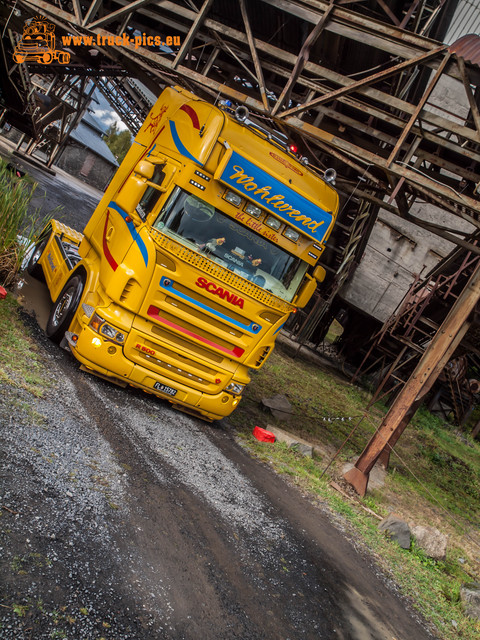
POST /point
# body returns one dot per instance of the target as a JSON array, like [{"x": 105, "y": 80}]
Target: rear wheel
[
  {"x": 64, "y": 308},
  {"x": 33, "y": 268}
]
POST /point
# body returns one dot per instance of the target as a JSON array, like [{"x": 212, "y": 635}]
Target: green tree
[{"x": 119, "y": 142}]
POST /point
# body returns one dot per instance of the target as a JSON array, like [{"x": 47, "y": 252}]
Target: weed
[
  {"x": 20, "y": 609},
  {"x": 15, "y": 200},
  {"x": 23, "y": 564},
  {"x": 21, "y": 366}
]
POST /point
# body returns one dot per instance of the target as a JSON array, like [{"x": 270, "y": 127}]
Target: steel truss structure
[
  {"x": 354, "y": 90},
  {"x": 396, "y": 349}
]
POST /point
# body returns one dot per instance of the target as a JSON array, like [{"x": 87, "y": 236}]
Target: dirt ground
[{"x": 123, "y": 519}]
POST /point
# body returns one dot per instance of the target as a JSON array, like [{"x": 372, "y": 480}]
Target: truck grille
[{"x": 215, "y": 270}]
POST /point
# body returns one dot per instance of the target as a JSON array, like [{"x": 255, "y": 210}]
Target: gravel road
[{"x": 122, "y": 519}]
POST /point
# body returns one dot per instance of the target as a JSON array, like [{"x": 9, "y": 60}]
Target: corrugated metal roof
[
  {"x": 466, "y": 20},
  {"x": 87, "y": 136},
  {"x": 468, "y": 48},
  {"x": 95, "y": 123}
]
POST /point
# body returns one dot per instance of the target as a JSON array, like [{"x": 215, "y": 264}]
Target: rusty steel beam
[
  {"x": 187, "y": 43},
  {"x": 421, "y": 103},
  {"x": 425, "y": 374},
  {"x": 468, "y": 91},
  {"x": 114, "y": 15},
  {"x": 359, "y": 84},
  {"x": 364, "y": 126},
  {"x": 302, "y": 59},
  {"x": 384, "y": 457},
  {"x": 253, "y": 51}
]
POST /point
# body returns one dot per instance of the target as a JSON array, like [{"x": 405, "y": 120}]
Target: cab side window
[{"x": 151, "y": 195}]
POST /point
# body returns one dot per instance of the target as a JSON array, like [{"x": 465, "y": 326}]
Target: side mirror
[
  {"x": 319, "y": 273},
  {"x": 145, "y": 169},
  {"x": 131, "y": 193},
  {"x": 306, "y": 292},
  {"x": 135, "y": 186}
]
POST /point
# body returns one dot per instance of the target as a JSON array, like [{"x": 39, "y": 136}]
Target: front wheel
[
  {"x": 64, "y": 308},
  {"x": 33, "y": 268}
]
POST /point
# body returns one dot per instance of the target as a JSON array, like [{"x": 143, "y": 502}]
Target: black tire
[
  {"x": 64, "y": 308},
  {"x": 33, "y": 268}
]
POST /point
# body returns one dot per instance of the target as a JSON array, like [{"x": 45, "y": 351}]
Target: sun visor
[{"x": 246, "y": 177}]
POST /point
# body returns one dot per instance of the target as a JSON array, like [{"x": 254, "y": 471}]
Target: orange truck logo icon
[{"x": 38, "y": 44}]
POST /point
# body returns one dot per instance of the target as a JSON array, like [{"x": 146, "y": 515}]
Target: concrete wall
[{"x": 397, "y": 250}]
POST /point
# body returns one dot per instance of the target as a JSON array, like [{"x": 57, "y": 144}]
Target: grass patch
[
  {"x": 434, "y": 480},
  {"x": 20, "y": 364}
]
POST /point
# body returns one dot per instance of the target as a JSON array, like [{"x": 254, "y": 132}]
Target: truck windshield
[{"x": 202, "y": 227}]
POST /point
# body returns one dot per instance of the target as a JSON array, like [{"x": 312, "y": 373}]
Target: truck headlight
[
  {"x": 233, "y": 198},
  {"x": 235, "y": 388},
  {"x": 98, "y": 324}
]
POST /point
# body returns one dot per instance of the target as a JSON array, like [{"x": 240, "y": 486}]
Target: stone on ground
[
  {"x": 279, "y": 406},
  {"x": 470, "y": 597},
  {"x": 397, "y": 530},
  {"x": 432, "y": 541}
]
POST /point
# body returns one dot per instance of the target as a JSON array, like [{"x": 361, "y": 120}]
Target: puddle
[{"x": 34, "y": 297}]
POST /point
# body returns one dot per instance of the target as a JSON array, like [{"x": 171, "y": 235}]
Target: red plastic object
[
  {"x": 3, "y": 293},
  {"x": 263, "y": 435}
]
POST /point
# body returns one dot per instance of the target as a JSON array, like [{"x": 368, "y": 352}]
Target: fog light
[
  {"x": 96, "y": 342},
  {"x": 235, "y": 388},
  {"x": 112, "y": 333},
  {"x": 98, "y": 324},
  {"x": 111, "y": 350},
  {"x": 291, "y": 234},
  {"x": 252, "y": 210}
]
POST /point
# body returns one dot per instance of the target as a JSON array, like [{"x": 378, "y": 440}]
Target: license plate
[{"x": 164, "y": 389}]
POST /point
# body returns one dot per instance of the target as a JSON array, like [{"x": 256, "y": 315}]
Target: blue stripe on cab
[
  {"x": 179, "y": 144},
  {"x": 133, "y": 231}
]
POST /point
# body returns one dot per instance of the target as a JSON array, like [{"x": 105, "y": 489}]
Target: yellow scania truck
[{"x": 207, "y": 238}]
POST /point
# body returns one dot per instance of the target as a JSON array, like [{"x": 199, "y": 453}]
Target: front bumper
[{"x": 102, "y": 356}]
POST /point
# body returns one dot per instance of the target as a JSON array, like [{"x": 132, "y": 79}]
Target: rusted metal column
[
  {"x": 384, "y": 457},
  {"x": 425, "y": 373}
]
